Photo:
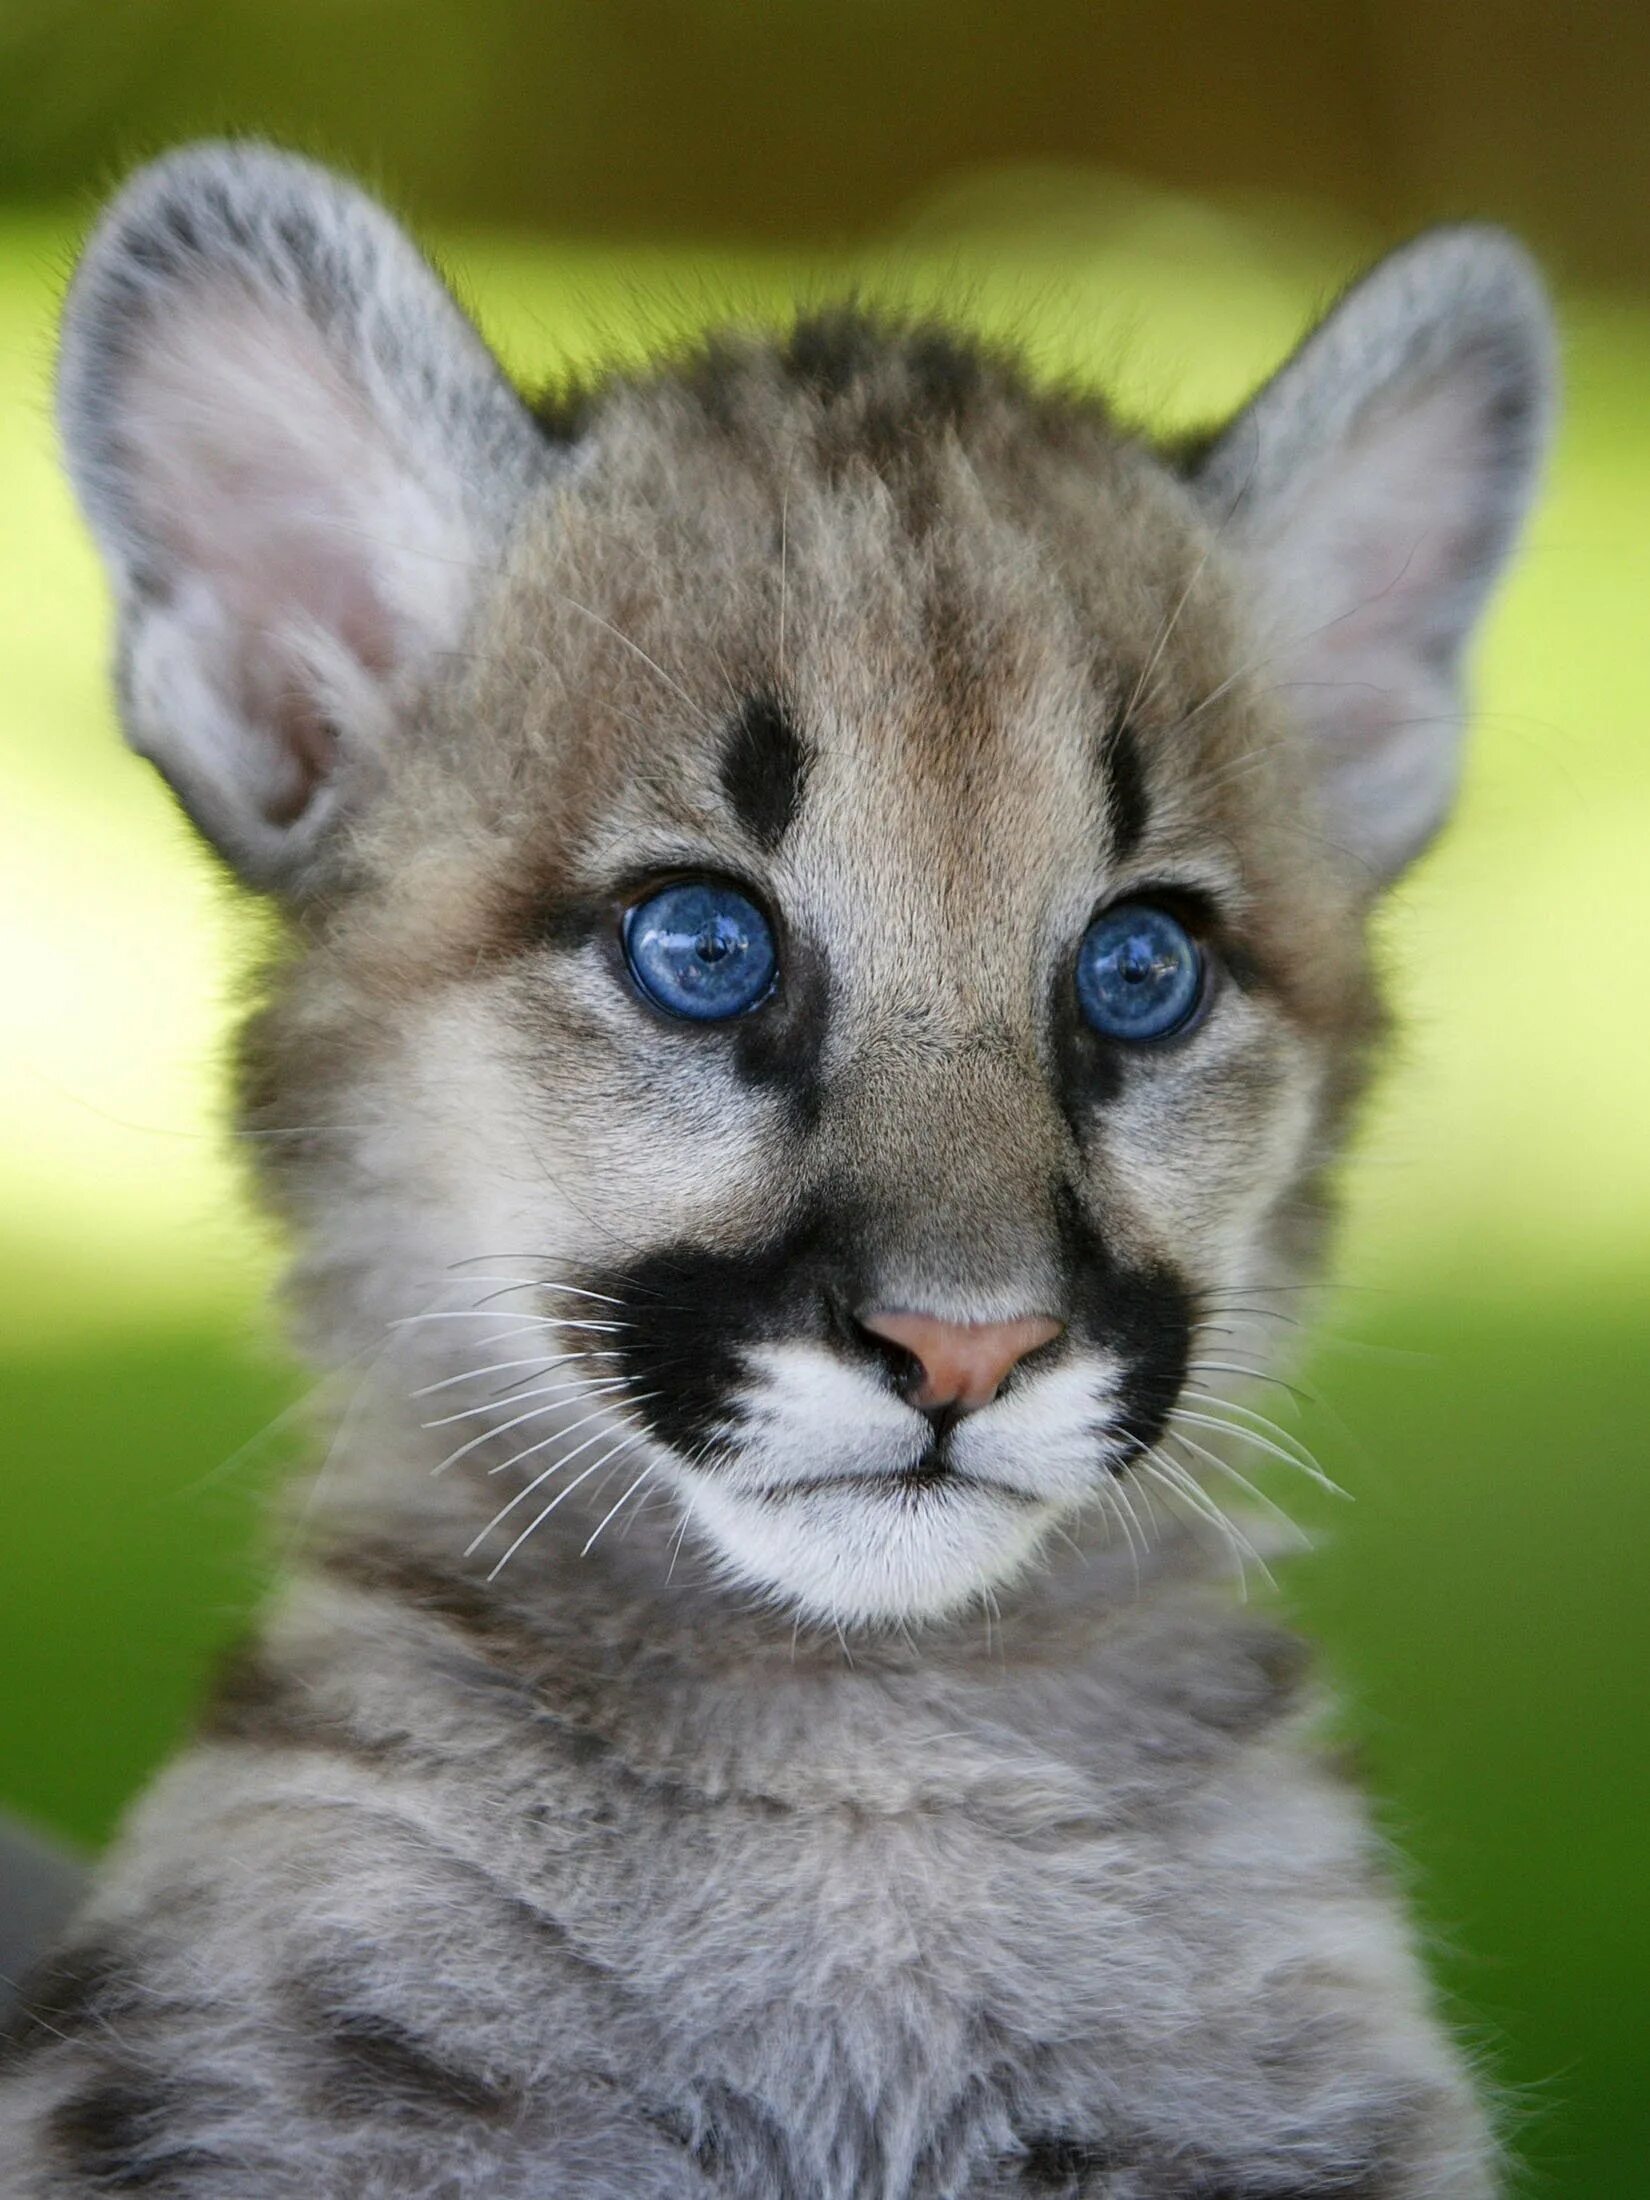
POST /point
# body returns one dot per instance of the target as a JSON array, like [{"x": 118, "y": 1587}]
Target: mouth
[
  {"x": 931, "y": 1477},
  {"x": 876, "y": 1541}
]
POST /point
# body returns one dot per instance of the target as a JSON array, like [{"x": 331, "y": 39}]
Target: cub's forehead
[
  {"x": 946, "y": 677},
  {"x": 961, "y": 628}
]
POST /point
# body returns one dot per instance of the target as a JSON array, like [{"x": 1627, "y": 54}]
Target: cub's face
[
  {"x": 887, "y": 1029},
  {"x": 827, "y": 961}
]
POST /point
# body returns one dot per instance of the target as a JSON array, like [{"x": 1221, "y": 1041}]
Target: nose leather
[{"x": 963, "y": 1363}]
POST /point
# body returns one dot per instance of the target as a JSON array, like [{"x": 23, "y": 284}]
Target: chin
[{"x": 864, "y": 1551}]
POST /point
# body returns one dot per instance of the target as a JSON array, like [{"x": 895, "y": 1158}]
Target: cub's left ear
[
  {"x": 300, "y": 462},
  {"x": 1375, "y": 488}
]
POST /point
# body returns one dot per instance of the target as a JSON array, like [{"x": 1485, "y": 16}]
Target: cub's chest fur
[{"x": 908, "y": 1928}]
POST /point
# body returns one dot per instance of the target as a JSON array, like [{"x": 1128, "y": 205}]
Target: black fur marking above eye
[
  {"x": 765, "y": 770},
  {"x": 1128, "y": 804}
]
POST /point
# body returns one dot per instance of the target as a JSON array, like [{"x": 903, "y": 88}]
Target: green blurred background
[{"x": 1156, "y": 194}]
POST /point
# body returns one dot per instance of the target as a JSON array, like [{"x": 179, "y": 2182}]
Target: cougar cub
[{"x": 822, "y": 892}]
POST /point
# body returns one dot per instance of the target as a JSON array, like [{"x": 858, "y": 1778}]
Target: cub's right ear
[{"x": 298, "y": 458}]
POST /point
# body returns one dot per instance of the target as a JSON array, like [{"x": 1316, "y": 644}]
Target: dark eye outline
[
  {"x": 638, "y": 898},
  {"x": 1183, "y": 913}
]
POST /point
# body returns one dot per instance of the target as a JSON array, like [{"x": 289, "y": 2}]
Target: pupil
[{"x": 712, "y": 945}]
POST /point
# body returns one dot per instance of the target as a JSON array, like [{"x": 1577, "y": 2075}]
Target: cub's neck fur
[{"x": 823, "y": 895}]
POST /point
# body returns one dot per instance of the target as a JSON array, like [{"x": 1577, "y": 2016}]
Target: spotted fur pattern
[{"x": 673, "y": 1768}]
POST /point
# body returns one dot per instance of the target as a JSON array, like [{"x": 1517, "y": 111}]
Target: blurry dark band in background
[{"x": 822, "y": 121}]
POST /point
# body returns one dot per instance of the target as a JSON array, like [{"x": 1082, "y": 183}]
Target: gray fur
[
  {"x": 1371, "y": 613},
  {"x": 230, "y": 232},
  {"x": 629, "y": 1807}
]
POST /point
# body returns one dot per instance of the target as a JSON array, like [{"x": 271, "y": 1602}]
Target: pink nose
[{"x": 963, "y": 1363}]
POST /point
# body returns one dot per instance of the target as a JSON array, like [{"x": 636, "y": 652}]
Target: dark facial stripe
[
  {"x": 1144, "y": 1315},
  {"x": 780, "y": 1047},
  {"x": 1089, "y": 1068},
  {"x": 694, "y": 1312},
  {"x": 1128, "y": 805},
  {"x": 693, "y": 1315},
  {"x": 764, "y": 770}
]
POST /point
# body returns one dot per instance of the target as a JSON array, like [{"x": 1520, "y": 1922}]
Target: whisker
[
  {"x": 784, "y": 570},
  {"x": 528, "y": 1325},
  {"x": 1285, "y": 643},
  {"x": 1122, "y": 1505},
  {"x": 1166, "y": 630},
  {"x": 541, "y": 1283},
  {"x": 1142, "y": 1490},
  {"x": 647, "y": 1494},
  {"x": 559, "y": 1435},
  {"x": 1247, "y": 1412},
  {"x": 1253, "y": 1414},
  {"x": 534, "y": 1525},
  {"x": 1250, "y": 1489},
  {"x": 1176, "y": 1480},
  {"x": 1310, "y": 1469},
  {"x": 636, "y": 650},
  {"x": 1175, "y": 1483},
  {"x": 574, "y": 1384},
  {"x": 502, "y": 1367},
  {"x": 556, "y": 1466},
  {"x": 620, "y": 1506},
  {"x": 1256, "y": 1313},
  {"x": 1249, "y": 1375},
  {"x": 487, "y": 1314},
  {"x": 534, "y": 1413}
]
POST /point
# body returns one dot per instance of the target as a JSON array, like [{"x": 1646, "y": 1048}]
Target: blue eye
[
  {"x": 1139, "y": 973},
  {"x": 701, "y": 950}
]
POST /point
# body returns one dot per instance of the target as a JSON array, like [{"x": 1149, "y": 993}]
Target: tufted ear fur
[
  {"x": 1375, "y": 488},
  {"x": 295, "y": 453}
]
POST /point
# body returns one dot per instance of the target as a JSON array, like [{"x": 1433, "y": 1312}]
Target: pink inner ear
[
  {"x": 279, "y": 504},
  {"x": 272, "y": 693},
  {"x": 1374, "y": 568},
  {"x": 1389, "y": 537}
]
